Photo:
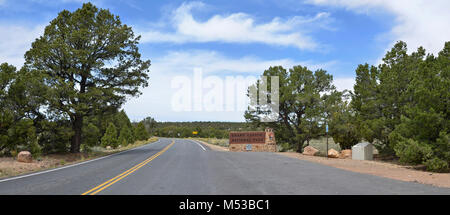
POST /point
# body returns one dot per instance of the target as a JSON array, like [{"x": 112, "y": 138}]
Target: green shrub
[
  {"x": 91, "y": 135},
  {"x": 442, "y": 146},
  {"x": 284, "y": 147},
  {"x": 436, "y": 165},
  {"x": 125, "y": 137},
  {"x": 35, "y": 149},
  {"x": 85, "y": 148},
  {"x": 110, "y": 137},
  {"x": 13, "y": 153},
  {"x": 412, "y": 152},
  {"x": 140, "y": 132}
]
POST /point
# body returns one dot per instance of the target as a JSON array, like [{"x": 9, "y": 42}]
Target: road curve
[{"x": 177, "y": 166}]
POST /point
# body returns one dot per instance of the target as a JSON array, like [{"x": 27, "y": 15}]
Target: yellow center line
[{"x": 119, "y": 177}]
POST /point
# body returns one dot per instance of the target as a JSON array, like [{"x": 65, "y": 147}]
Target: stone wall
[
  {"x": 269, "y": 144},
  {"x": 254, "y": 148}
]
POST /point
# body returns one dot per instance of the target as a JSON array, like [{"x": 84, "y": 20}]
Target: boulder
[
  {"x": 309, "y": 150},
  {"x": 25, "y": 157},
  {"x": 108, "y": 147},
  {"x": 347, "y": 153},
  {"x": 333, "y": 153}
]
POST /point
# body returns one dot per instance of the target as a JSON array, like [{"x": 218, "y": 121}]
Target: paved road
[{"x": 187, "y": 167}]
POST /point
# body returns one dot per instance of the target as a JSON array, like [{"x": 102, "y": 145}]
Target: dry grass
[
  {"x": 214, "y": 141},
  {"x": 321, "y": 145},
  {"x": 100, "y": 151},
  {"x": 10, "y": 167}
]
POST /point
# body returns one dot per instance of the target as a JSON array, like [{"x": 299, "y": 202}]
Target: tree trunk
[
  {"x": 300, "y": 146},
  {"x": 77, "y": 125}
]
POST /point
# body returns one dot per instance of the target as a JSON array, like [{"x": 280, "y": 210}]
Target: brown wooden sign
[{"x": 248, "y": 137}]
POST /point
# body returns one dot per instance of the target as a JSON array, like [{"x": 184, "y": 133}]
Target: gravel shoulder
[
  {"x": 212, "y": 146},
  {"x": 378, "y": 168},
  {"x": 383, "y": 169}
]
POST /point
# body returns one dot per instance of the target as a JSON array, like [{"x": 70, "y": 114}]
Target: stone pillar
[{"x": 270, "y": 137}]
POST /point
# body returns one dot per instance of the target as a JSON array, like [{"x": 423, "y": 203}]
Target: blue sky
[{"x": 232, "y": 38}]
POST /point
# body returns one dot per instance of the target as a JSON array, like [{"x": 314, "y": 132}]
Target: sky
[{"x": 229, "y": 38}]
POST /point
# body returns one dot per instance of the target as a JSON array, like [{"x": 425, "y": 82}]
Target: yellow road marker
[{"x": 119, "y": 177}]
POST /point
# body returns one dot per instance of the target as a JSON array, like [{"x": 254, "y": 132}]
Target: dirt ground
[
  {"x": 10, "y": 167},
  {"x": 378, "y": 168}
]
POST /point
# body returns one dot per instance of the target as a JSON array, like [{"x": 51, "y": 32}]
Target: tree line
[
  {"x": 402, "y": 106},
  {"x": 219, "y": 130}
]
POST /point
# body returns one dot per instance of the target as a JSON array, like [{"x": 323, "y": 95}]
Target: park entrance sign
[{"x": 256, "y": 141}]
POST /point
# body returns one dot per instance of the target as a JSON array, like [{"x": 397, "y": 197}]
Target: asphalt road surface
[{"x": 177, "y": 166}]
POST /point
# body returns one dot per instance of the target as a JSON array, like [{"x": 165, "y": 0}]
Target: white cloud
[
  {"x": 156, "y": 99},
  {"x": 214, "y": 62},
  {"x": 342, "y": 84},
  {"x": 15, "y": 40},
  {"x": 238, "y": 28},
  {"x": 418, "y": 22}
]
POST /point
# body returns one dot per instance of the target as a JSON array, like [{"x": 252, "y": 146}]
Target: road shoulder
[
  {"x": 212, "y": 146},
  {"x": 10, "y": 168},
  {"x": 382, "y": 169}
]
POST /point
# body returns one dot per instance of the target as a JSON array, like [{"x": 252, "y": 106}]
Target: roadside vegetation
[
  {"x": 194, "y": 129},
  {"x": 401, "y": 106},
  {"x": 9, "y": 167},
  {"x": 68, "y": 94},
  {"x": 68, "y": 97},
  {"x": 215, "y": 141}
]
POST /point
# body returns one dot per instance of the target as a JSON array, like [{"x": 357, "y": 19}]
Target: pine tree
[
  {"x": 302, "y": 102},
  {"x": 91, "y": 135},
  {"x": 90, "y": 62},
  {"x": 125, "y": 137},
  {"x": 140, "y": 132},
  {"x": 110, "y": 136}
]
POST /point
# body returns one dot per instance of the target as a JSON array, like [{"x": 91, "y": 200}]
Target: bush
[
  {"x": 35, "y": 149},
  {"x": 442, "y": 149},
  {"x": 55, "y": 136},
  {"x": 140, "y": 132},
  {"x": 85, "y": 148},
  {"x": 125, "y": 137},
  {"x": 436, "y": 165},
  {"x": 284, "y": 147},
  {"x": 110, "y": 137},
  {"x": 412, "y": 152},
  {"x": 91, "y": 135}
]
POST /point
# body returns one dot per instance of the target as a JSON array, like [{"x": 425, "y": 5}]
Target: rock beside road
[
  {"x": 333, "y": 153},
  {"x": 25, "y": 157},
  {"x": 347, "y": 153},
  {"x": 309, "y": 150}
]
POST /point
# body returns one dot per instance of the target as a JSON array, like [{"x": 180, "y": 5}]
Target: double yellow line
[{"x": 112, "y": 181}]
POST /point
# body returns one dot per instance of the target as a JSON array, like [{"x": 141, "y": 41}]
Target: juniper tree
[
  {"x": 140, "y": 132},
  {"x": 125, "y": 137},
  {"x": 110, "y": 136},
  {"x": 302, "y": 95}
]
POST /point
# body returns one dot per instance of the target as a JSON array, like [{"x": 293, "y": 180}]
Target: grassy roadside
[
  {"x": 320, "y": 144},
  {"x": 213, "y": 141},
  {"x": 10, "y": 167}
]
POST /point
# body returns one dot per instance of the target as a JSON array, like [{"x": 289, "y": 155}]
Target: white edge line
[
  {"x": 71, "y": 165},
  {"x": 199, "y": 144}
]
